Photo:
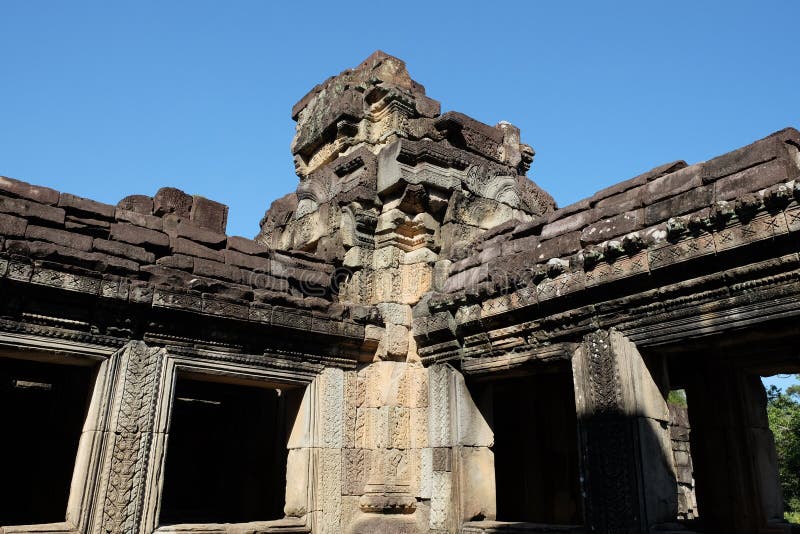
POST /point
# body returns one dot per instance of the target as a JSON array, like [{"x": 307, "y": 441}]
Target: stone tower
[{"x": 391, "y": 191}]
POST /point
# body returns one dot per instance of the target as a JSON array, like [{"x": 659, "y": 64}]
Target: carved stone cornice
[{"x": 709, "y": 304}]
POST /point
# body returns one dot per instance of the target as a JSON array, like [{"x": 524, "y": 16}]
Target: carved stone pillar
[
  {"x": 623, "y": 419},
  {"x": 386, "y": 425},
  {"x": 126, "y": 428},
  {"x": 420, "y": 460}
]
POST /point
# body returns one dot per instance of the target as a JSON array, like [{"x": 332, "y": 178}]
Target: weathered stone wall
[
  {"x": 669, "y": 215},
  {"x": 168, "y": 252}
]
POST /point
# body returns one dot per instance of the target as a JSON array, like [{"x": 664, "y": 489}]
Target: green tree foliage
[
  {"x": 677, "y": 397},
  {"x": 783, "y": 409}
]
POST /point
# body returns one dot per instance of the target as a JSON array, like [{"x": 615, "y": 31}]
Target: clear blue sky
[{"x": 105, "y": 99}]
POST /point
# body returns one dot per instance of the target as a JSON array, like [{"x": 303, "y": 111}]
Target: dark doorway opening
[
  {"x": 733, "y": 450},
  {"x": 42, "y": 411},
  {"x": 536, "y": 448},
  {"x": 226, "y": 453}
]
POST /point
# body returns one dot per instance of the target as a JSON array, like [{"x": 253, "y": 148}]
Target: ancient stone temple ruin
[{"x": 417, "y": 341}]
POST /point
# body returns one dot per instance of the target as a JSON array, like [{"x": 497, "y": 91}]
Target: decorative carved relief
[
  {"x": 131, "y": 431},
  {"x": 607, "y": 438},
  {"x": 569, "y": 282},
  {"x": 603, "y": 374},
  {"x": 763, "y": 226},
  {"x": 610, "y": 476},
  {"x": 621, "y": 268}
]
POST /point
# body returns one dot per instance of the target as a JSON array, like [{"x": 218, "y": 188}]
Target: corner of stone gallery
[{"x": 417, "y": 341}]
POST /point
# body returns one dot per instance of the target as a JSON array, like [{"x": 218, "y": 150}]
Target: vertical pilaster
[
  {"x": 623, "y": 419},
  {"x": 127, "y": 426}
]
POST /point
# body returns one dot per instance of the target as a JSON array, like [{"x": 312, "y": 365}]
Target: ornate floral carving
[
  {"x": 603, "y": 375},
  {"x": 609, "y": 438},
  {"x": 612, "y": 486},
  {"x": 124, "y": 493}
]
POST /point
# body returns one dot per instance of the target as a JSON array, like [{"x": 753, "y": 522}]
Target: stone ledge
[
  {"x": 509, "y": 527},
  {"x": 17, "y": 188},
  {"x": 279, "y": 525},
  {"x": 514, "y": 360},
  {"x": 49, "y": 528}
]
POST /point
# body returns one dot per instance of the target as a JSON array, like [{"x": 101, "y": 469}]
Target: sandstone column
[
  {"x": 626, "y": 456},
  {"x": 116, "y": 448}
]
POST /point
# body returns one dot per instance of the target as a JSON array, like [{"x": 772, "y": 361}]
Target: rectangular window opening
[
  {"x": 535, "y": 448},
  {"x": 226, "y": 452},
  {"x": 43, "y": 407}
]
